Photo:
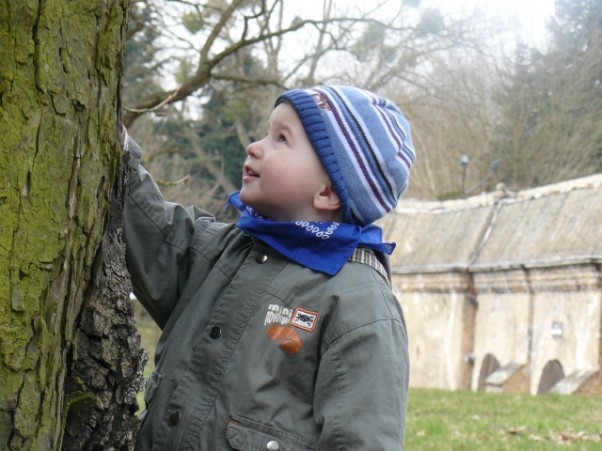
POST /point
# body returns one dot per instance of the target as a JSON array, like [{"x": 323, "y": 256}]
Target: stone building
[{"x": 503, "y": 291}]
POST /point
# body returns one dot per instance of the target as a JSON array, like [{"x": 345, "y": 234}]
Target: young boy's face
[{"x": 282, "y": 174}]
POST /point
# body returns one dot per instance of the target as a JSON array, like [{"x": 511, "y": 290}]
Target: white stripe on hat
[{"x": 366, "y": 151}]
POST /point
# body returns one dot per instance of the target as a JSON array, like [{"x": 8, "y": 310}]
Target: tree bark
[{"x": 70, "y": 360}]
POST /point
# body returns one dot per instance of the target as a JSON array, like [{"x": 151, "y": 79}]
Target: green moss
[
  {"x": 26, "y": 415},
  {"x": 58, "y": 160},
  {"x": 13, "y": 345},
  {"x": 79, "y": 398}
]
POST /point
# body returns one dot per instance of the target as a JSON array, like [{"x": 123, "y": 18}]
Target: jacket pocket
[
  {"x": 248, "y": 435},
  {"x": 150, "y": 388}
]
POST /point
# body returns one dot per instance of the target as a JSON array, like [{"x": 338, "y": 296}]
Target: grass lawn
[{"x": 446, "y": 420}]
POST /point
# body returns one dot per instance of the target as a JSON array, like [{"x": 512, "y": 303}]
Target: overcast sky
[{"x": 531, "y": 15}]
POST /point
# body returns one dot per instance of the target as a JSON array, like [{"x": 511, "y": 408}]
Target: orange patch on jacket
[{"x": 287, "y": 336}]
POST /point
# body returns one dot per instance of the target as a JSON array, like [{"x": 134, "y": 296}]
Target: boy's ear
[{"x": 327, "y": 199}]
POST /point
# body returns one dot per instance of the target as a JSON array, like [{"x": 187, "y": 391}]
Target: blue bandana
[{"x": 321, "y": 246}]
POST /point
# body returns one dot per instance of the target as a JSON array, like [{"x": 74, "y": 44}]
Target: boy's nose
[{"x": 254, "y": 149}]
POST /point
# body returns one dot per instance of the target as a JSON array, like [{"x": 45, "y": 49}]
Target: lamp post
[{"x": 464, "y": 159}]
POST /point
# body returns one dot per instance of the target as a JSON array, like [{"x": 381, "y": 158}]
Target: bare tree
[
  {"x": 248, "y": 51},
  {"x": 551, "y": 102},
  {"x": 455, "y": 119},
  {"x": 345, "y": 42}
]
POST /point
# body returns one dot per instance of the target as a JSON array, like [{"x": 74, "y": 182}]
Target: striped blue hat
[{"x": 363, "y": 142}]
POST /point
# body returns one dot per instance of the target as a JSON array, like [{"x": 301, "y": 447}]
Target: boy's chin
[
  {"x": 244, "y": 198},
  {"x": 247, "y": 200}
]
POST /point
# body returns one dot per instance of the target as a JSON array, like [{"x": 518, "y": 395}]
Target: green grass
[
  {"x": 446, "y": 420},
  {"x": 149, "y": 335}
]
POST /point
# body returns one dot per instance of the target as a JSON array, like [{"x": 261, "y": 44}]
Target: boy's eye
[{"x": 281, "y": 138}]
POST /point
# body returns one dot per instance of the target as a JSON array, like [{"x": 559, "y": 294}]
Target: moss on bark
[{"x": 60, "y": 68}]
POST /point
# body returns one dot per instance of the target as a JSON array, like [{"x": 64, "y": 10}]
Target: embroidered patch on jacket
[
  {"x": 286, "y": 336},
  {"x": 304, "y": 319},
  {"x": 277, "y": 314}
]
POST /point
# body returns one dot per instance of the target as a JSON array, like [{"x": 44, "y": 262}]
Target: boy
[{"x": 280, "y": 332}]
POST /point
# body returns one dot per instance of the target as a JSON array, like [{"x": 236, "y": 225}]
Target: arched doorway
[
  {"x": 489, "y": 365},
  {"x": 550, "y": 374}
]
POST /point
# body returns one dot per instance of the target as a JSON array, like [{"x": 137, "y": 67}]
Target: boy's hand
[{"x": 123, "y": 136}]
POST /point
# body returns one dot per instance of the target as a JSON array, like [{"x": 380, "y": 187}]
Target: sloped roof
[{"x": 549, "y": 226}]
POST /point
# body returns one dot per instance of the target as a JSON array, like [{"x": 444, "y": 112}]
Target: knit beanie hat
[{"x": 364, "y": 143}]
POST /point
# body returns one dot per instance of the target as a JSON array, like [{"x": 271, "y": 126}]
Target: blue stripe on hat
[
  {"x": 356, "y": 142},
  {"x": 390, "y": 115},
  {"x": 365, "y": 156}
]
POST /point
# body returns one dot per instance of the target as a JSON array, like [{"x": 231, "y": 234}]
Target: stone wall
[
  {"x": 503, "y": 292},
  {"x": 435, "y": 303}
]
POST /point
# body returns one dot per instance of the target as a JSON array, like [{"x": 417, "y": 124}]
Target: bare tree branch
[{"x": 206, "y": 63}]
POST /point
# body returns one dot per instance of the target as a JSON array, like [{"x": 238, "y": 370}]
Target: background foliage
[{"x": 202, "y": 77}]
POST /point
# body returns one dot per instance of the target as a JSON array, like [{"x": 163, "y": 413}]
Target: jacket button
[
  {"x": 174, "y": 417},
  {"x": 216, "y": 331},
  {"x": 272, "y": 446},
  {"x": 261, "y": 257}
]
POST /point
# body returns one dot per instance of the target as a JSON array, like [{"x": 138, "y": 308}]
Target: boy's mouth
[{"x": 250, "y": 172}]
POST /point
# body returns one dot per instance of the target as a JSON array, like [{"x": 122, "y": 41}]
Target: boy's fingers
[{"x": 123, "y": 136}]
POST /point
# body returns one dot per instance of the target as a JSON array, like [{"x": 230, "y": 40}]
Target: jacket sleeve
[
  {"x": 157, "y": 235},
  {"x": 361, "y": 388}
]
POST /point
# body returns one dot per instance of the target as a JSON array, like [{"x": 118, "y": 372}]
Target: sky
[{"x": 532, "y": 15}]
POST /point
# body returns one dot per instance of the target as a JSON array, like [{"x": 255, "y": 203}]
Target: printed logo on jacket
[{"x": 283, "y": 323}]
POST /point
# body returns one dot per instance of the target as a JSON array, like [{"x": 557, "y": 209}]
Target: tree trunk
[{"x": 70, "y": 360}]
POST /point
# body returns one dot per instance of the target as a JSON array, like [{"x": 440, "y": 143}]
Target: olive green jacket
[{"x": 258, "y": 352}]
